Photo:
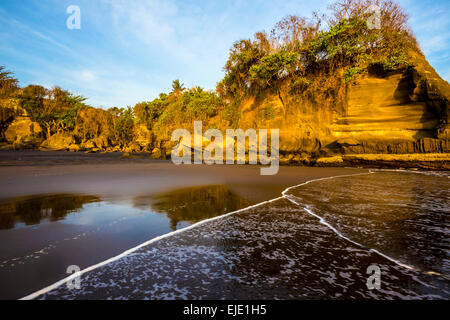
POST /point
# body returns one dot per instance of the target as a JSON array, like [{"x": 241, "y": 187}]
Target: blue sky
[{"x": 131, "y": 50}]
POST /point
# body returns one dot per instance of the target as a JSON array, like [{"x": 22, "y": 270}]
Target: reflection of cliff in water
[
  {"x": 33, "y": 209},
  {"x": 193, "y": 204}
]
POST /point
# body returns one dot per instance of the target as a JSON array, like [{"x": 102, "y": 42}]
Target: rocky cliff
[
  {"x": 397, "y": 113},
  {"x": 401, "y": 112}
]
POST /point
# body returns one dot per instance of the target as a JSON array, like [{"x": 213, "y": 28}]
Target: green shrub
[
  {"x": 351, "y": 72},
  {"x": 272, "y": 68}
]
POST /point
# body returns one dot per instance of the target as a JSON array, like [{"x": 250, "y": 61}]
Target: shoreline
[
  {"x": 284, "y": 195},
  {"x": 419, "y": 161},
  {"x": 113, "y": 178},
  {"x": 57, "y": 284},
  {"x": 108, "y": 176},
  {"x": 115, "y": 181}
]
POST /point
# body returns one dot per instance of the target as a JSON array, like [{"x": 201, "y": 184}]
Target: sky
[{"x": 128, "y": 51}]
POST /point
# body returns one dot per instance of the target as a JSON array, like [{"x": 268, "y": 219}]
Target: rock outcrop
[
  {"x": 400, "y": 112},
  {"x": 58, "y": 141},
  {"x": 142, "y": 136},
  {"x": 23, "y": 133},
  {"x": 17, "y": 129}
]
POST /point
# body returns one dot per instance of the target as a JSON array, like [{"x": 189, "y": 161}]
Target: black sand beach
[
  {"x": 311, "y": 241},
  {"x": 106, "y": 185}
]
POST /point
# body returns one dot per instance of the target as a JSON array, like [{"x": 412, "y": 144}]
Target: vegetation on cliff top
[{"x": 310, "y": 57}]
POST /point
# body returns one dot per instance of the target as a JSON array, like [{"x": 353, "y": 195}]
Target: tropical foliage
[{"x": 313, "y": 57}]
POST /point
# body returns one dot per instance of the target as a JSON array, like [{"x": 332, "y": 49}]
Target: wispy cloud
[
  {"x": 16, "y": 25},
  {"x": 130, "y": 50},
  {"x": 145, "y": 21}
]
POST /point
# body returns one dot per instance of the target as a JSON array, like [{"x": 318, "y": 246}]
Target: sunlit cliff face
[{"x": 399, "y": 112}]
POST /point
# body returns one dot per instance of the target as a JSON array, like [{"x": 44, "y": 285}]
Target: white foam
[
  {"x": 125, "y": 253},
  {"x": 284, "y": 196},
  {"x": 324, "y": 222}
]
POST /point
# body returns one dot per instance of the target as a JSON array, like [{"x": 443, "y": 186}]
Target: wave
[
  {"x": 322, "y": 220},
  {"x": 285, "y": 195}
]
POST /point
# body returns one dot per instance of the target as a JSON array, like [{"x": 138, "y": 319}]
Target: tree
[
  {"x": 123, "y": 124},
  {"x": 272, "y": 68},
  {"x": 243, "y": 55},
  {"x": 199, "y": 104},
  {"x": 54, "y": 109},
  {"x": 32, "y": 99},
  {"x": 292, "y": 32},
  {"x": 8, "y": 83},
  {"x": 149, "y": 112},
  {"x": 177, "y": 88}
]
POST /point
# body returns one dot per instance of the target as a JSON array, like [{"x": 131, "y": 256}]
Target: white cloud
[
  {"x": 87, "y": 76},
  {"x": 146, "y": 21},
  {"x": 26, "y": 29},
  {"x": 130, "y": 50}
]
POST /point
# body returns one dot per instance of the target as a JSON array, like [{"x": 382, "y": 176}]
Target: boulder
[
  {"x": 285, "y": 160},
  {"x": 87, "y": 144},
  {"x": 10, "y": 108},
  {"x": 132, "y": 147},
  {"x": 156, "y": 153},
  {"x": 101, "y": 142},
  {"x": 74, "y": 148},
  {"x": 297, "y": 159},
  {"x": 24, "y": 133},
  {"x": 126, "y": 155},
  {"x": 58, "y": 141},
  {"x": 131, "y": 156}
]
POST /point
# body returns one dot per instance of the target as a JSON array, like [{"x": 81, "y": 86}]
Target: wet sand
[
  {"x": 275, "y": 251},
  {"x": 281, "y": 249},
  {"x": 45, "y": 174},
  {"x": 24, "y": 173}
]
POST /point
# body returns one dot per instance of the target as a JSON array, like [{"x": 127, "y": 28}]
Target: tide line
[
  {"x": 164, "y": 236},
  {"x": 324, "y": 222},
  {"x": 127, "y": 252},
  {"x": 168, "y": 235}
]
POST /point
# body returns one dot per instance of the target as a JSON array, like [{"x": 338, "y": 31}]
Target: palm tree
[{"x": 177, "y": 88}]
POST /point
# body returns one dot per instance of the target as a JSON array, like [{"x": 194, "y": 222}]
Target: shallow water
[
  {"x": 403, "y": 215},
  {"x": 315, "y": 242},
  {"x": 44, "y": 234},
  {"x": 396, "y": 221}
]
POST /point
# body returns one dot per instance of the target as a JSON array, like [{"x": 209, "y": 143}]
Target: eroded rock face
[
  {"x": 24, "y": 133},
  {"x": 402, "y": 112}
]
